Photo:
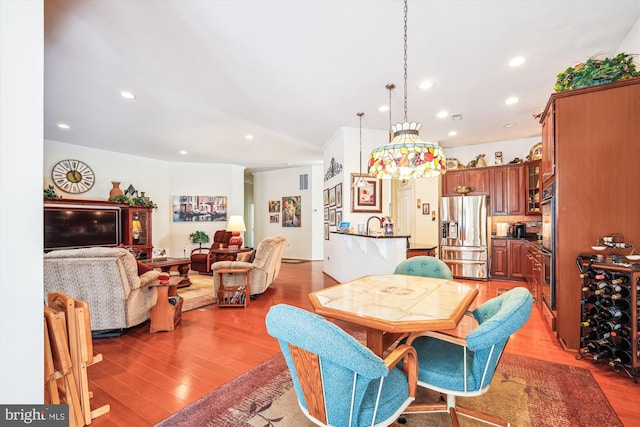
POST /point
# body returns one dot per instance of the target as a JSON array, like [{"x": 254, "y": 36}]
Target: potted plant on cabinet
[
  {"x": 597, "y": 71},
  {"x": 199, "y": 237}
]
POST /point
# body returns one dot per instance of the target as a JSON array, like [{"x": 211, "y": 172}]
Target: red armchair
[{"x": 202, "y": 258}]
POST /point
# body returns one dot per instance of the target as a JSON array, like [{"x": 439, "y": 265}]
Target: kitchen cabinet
[
  {"x": 507, "y": 190},
  {"x": 509, "y": 259},
  {"x": 533, "y": 183},
  {"x": 534, "y": 272},
  {"x": 136, "y": 230},
  {"x": 476, "y": 178},
  {"x": 594, "y": 165}
]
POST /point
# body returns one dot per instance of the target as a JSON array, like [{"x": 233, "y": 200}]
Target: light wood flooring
[{"x": 147, "y": 377}]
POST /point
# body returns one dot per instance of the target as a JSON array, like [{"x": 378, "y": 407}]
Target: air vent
[{"x": 304, "y": 181}]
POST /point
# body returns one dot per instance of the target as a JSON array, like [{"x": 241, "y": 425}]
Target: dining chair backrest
[{"x": 425, "y": 266}]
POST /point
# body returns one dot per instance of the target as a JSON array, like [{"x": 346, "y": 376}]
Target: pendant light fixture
[
  {"x": 360, "y": 182},
  {"x": 407, "y": 156}
]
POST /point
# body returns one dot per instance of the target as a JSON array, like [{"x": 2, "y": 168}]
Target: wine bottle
[
  {"x": 622, "y": 304},
  {"x": 606, "y": 301},
  {"x": 621, "y": 317},
  {"x": 624, "y": 332},
  {"x": 590, "y": 323},
  {"x": 589, "y": 274},
  {"x": 595, "y": 335},
  {"x": 592, "y": 312},
  {"x": 592, "y": 348},
  {"x": 620, "y": 279},
  {"x": 604, "y": 351},
  {"x": 602, "y": 275},
  {"x": 593, "y": 299},
  {"x": 624, "y": 344},
  {"x": 603, "y": 291},
  {"x": 620, "y": 358},
  {"x": 621, "y": 293},
  {"x": 609, "y": 326}
]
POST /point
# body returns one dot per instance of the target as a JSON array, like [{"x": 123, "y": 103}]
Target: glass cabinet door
[{"x": 533, "y": 188}]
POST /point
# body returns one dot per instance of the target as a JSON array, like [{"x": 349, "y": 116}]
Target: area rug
[
  {"x": 525, "y": 391},
  {"x": 199, "y": 294}
]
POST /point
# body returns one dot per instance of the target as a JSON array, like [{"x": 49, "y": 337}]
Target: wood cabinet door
[
  {"x": 533, "y": 183},
  {"x": 507, "y": 190},
  {"x": 548, "y": 165},
  {"x": 499, "y": 259},
  {"x": 478, "y": 179},
  {"x": 517, "y": 259},
  {"x": 451, "y": 180}
]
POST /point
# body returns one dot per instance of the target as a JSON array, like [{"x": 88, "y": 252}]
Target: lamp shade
[
  {"x": 236, "y": 225},
  {"x": 407, "y": 156}
]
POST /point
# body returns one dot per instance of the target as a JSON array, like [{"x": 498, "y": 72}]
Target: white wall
[
  {"x": 302, "y": 242},
  {"x": 510, "y": 150},
  {"x": 631, "y": 43},
  {"x": 21, "y": 115}
]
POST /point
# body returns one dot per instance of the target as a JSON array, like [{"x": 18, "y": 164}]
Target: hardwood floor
[{"x": 147, "y": 377}]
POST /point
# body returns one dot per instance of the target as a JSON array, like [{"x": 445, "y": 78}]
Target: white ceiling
[{"x": 206, "y": 73}]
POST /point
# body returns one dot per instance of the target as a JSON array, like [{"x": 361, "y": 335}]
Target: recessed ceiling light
[
  {"x": 183, "y": 152},
  {"x": 508, "y": 125},
  {"x": 383, "y": 108},
  {"x": 511, "y": 101},
  {"x": 456, "y": 117},
  {"x": 248, "y": 136},
  {"x": 63, "y": 126},
  {"x": 452, "y": 133},
  {"x": 442, "y": 114},
  {"x": 426, "y": 85},
  {"x": 517, "y": 61},
  {"x": 127, "y": 95}
]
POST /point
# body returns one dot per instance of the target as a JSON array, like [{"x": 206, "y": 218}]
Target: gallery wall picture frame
[
  {"x": 274, "y": 218},
  {"x": 367, "y": 198},
  {"x": 326, "y": 231},
  {"x": 326, "y": 213},
  {"x": 291, "y": 211},
  {"x": 339, "y": 195},
  {"x": 332, "y": 217},
  {"x": 274, "y": 206},
  {"x": 338, "y": 218},
  {"x": 332, "y": 196},
  {"x": 199, "y": 208},
  {"x": 325, "y": 196},
  {"x": 426, "y": 209}
]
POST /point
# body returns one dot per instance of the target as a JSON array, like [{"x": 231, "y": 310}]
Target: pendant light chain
[
  {"x": 360, "y": 164},
  {"x": 406, "y": 9}
]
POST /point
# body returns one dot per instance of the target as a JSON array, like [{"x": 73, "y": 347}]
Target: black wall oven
[{"x": 548, "y": 207}]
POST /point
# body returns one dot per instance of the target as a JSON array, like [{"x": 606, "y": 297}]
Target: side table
[
  {"x": 165, "y": 315},
  {"x": 234, "y": 296}
]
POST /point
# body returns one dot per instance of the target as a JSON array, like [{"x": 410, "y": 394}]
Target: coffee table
[
  {"x": 166, "y": 264},
  {"x": 391, "y": 305}
]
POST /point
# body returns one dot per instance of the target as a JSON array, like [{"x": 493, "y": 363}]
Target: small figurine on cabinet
[{"x": 498, "y": 160}]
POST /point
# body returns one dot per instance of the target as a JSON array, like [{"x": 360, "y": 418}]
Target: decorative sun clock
[{"x": 73, "y": 176}]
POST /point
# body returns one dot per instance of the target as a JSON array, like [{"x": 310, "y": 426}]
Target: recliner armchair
[
  {"x": 338, "y": 381},
  {"x": 458, "y": 366},
  {"x": 106, "y": 279},
  {"x": 202, "y": 258},
  {"x": 264, "y": 268}
]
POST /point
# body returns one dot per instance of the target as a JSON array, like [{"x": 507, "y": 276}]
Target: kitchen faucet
[{"x": 370, "y": 218}]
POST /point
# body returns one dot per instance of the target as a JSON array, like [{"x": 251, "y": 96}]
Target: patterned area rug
[
  {"x": 525, "y": 391},
  {"x": 199, "y": 294}
]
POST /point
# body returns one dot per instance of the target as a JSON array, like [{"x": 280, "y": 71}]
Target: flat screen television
[{"x": 77, "y": 227}]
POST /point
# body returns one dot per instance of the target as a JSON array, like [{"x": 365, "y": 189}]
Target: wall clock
[{"x": 73, "y": 176}]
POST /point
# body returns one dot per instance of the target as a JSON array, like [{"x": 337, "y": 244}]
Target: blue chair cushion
[{"x": 425, "y": 266}]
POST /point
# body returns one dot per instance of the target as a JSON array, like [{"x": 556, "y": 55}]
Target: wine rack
[{"x": 609, "y": 327}]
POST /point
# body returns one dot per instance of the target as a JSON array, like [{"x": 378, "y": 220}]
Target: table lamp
[{"x": 236, "y": 225}]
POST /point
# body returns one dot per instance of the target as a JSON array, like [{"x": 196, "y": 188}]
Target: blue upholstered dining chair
[
  {"x": 465, "y": 366},
  {"x": 338, "y": 381},
  {"x": 426, "y": 266}
]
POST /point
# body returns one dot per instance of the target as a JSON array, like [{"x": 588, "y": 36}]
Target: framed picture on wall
[
  {"x": 332, "y": 217},
  {"x": 326, "y": 231},
  {"x": 325, "y": 196},
  {"x": 326, "y": 213},
  {"x": 338, "y": 218},
  {"x": 274, "y": 218},
  {"x": 425, "y": 209},
  {"x": 274, "y": 206},
  {"x": 339, "y": 195},
  {"x": 332, "y": 196},
  {"x": 367, "y": 198}
]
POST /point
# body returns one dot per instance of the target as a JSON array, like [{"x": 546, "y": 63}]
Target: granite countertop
[{"x": 373, "y": 236}]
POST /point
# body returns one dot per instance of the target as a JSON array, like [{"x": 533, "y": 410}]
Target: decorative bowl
[
  {"x": 633, "y": 257},
  {"x": 598, "y": 248},
  {"x": 463, "y": 189}
]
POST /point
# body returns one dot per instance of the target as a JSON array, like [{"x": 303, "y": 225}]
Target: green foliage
[
  {"x": 597, "y": 71},
  {"x": 50, "y": 193},
  {"x": 199, "y": 237},
  {"x": 133, "y": 201}
]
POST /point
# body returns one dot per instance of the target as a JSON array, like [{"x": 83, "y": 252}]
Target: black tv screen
[{"x": 74, "y": 227}]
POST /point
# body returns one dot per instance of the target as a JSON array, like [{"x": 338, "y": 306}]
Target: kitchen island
[{"x": 349, "y": 256}]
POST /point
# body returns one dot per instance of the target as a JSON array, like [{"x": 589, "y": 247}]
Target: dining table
[{"x": 392, "y": 305}]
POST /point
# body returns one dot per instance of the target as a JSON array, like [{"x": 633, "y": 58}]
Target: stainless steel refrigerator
[{"x": 463, "y": 242}]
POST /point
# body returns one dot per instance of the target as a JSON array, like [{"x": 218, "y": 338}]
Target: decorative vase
[{"x": 115, "y": 191}]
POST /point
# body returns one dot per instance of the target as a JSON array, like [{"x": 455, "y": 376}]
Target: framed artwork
[
  {"x": 326, "y": 213},
  {"x": 339, "y": 218},
  {"x": 332, "y": 196},
  {"x": 339, "y": 195},
  {"x": 325, "y": 196},
  {"x": 326, "y": 231},
  {"x": 425, "y": 209},
  {"x": 199, "y": 208},
  {"x": 367, "y": 198},
  {"x": 291, "y": 211},
  {"x": 332, "y": 217},
  {"x": 274, "y": 218},
  {"x": 274, "y": 206}
]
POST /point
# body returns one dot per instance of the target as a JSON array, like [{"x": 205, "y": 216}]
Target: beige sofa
[
  {"x": 264, "y": 268},
  {"x": 105, "y": 278}
]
